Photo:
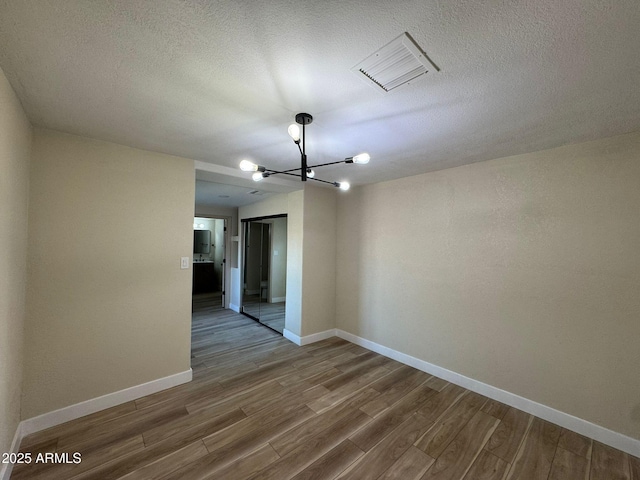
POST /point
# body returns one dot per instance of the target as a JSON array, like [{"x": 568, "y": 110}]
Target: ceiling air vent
[
  {"x": 256, "y": 192},
  {"x": 395, "y": 64}
]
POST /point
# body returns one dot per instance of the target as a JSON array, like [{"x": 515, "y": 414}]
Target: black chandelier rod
[
  {"x": 304, "y": 168},
  {"x": 303, "y": 156},
  {"x": 287, "y": 172},
  {"x": 330, "y": 163},
  {"x": 310, "y": 167},
  {"x": 335, "y": 184}
]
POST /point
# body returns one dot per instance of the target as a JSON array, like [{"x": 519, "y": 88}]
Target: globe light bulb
[
  {"x": 247, "y": 166},
  {"x": 344, "y": 186},
  {"x": 257, "y": 176},
  {"x": 294, "y": 132},
  {"x": 362, "y": 158},
  {"x": 310, "y": 173}
]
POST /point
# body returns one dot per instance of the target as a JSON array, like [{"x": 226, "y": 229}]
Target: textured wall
[
  {"x": 319, "y": 272},
  {"x": 295, "y": 252},
  {"x": 520, "y": 272},
  {"x": 275, "y": 205},
  {"x": 15, "y": 148},
  {"x": 108, "y": 306}
]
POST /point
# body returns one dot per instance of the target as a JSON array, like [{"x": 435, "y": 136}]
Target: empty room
[{"x": 319, "y": 240}]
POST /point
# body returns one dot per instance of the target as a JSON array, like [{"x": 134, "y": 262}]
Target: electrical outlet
[{"x": 184, "y": 262}]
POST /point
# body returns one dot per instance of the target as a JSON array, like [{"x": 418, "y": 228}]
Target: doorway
[
  {"x": 209, "y": 261},
  {"x": 264, "y": 270}
]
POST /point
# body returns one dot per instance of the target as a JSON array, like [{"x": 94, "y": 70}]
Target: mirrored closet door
[{"x": 264, "y": 270}]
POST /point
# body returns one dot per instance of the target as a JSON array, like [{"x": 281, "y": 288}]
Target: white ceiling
[{"x": 218, "y": 81}]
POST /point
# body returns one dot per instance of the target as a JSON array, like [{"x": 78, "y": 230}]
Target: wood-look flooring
[{"x": 260, "y": 407}]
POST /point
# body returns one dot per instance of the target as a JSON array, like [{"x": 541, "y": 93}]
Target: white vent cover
[{"x": 395, "y": 64}]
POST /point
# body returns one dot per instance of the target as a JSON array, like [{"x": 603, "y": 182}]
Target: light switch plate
[{"x": 184, "y": 262}]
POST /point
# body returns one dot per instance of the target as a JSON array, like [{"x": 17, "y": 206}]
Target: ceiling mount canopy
[{"x": 306, "y": 171}]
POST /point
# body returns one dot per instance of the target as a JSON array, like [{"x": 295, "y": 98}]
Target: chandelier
[{"x": 306, "y": 171}]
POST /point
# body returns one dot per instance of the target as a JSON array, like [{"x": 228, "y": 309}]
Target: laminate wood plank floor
[{"x": 260, "y": 407}]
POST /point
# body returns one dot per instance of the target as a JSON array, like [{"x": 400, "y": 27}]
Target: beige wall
[
  {"x": 319, "y": 273},
  {"x": 276, "y": 205},
  {"x": 108, "y": 306},
  {"x": 521, "y": 272},
  {"x": 213, "y": 211},
  {"x": 295, "y": 239},
  {"x": 15, "y": 148}
]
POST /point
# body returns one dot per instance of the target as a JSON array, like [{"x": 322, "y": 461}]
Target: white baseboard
[
  {"x": 306, "y": 340},
  {"x": 7, "y": 468},
  {"x": 57, "y": 417},
  {"x": 278, "y": 299},
  {"x": 235, "y": 308},
  {"x": 51, "y": 419},
  {"x": 583, "y": 427},
  {"x": 317, "y": 337},
  {"x": 289, "y": 335}
]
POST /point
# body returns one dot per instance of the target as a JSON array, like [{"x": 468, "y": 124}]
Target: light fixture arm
[{"x": 330, "y": 163}]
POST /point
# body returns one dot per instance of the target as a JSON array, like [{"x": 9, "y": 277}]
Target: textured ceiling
[
  {"x": 221, "y": 81},
  {"x": 223, "y": 195}
]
